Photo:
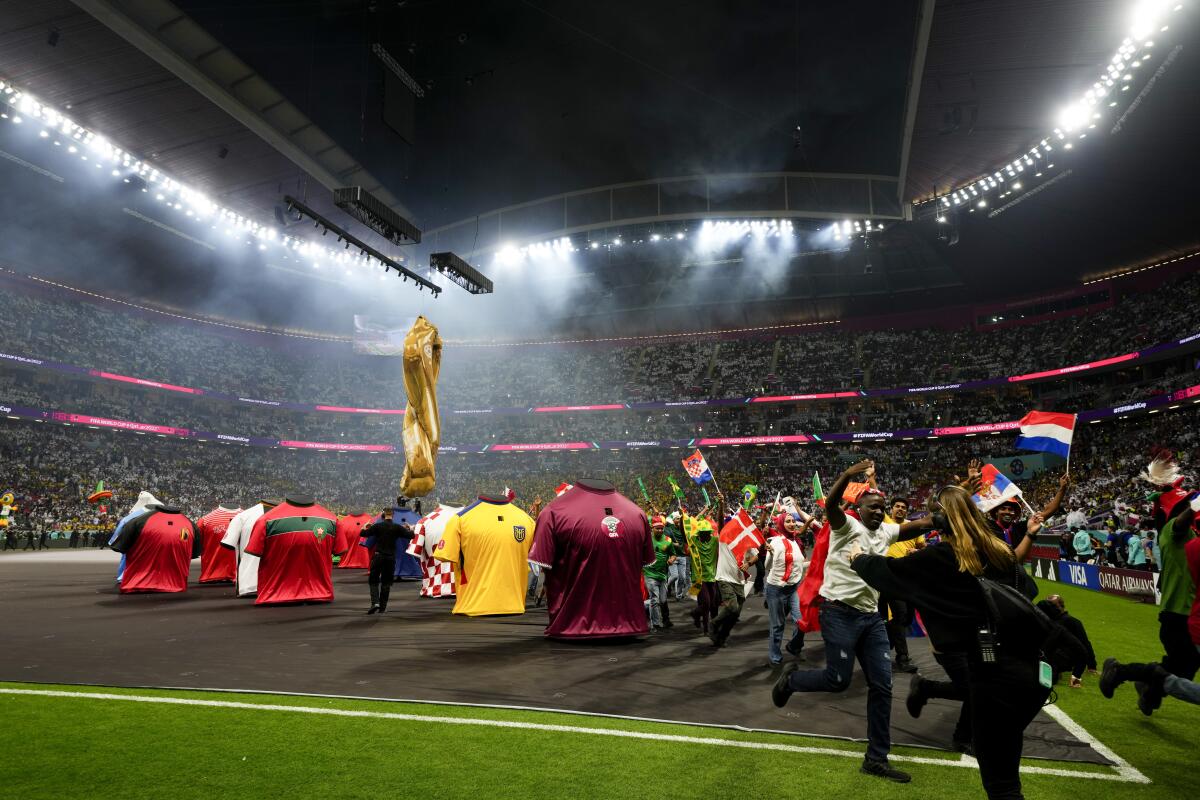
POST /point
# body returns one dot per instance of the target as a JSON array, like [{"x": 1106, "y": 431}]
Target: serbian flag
[
  {"x": 995, "y": 490},
  {"x": 697, "y": 468},
  {"x": 1047, "y": 432},
  {"x": 741, "y": 534},
  {"x": 809, "y": 592}
]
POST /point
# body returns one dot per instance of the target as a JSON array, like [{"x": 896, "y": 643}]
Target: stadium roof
[{"x": 252, "y": 99}]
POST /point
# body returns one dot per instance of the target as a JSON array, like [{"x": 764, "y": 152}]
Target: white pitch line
[
  {"x": 1124, "y": 768},
  {"x": 537, "y": 726}
]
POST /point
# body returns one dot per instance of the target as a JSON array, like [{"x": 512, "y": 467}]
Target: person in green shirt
[
  {"x": 656, "y": 574},
  {"x": 703, "y": 547},
  {"x": 1178, "y": 592}
]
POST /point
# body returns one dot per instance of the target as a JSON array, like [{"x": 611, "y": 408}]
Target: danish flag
[{"x": 741, "y": 534}]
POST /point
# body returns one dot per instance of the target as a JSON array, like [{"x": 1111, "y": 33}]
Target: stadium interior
[{"x": 788, "y": 238}]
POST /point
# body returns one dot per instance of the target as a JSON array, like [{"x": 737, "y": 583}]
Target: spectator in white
[
  {"x": 784, "y": 563},
  {"x": 1077, "y": 519},
  {"x": 731, "y": 582},
  {"x": 850, "y": 621}
]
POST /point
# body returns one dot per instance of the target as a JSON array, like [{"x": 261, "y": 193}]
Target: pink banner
[
  {"x": 605, "y": 407},
  {"x": 143, "y": 382},
  {"x": 786, "y": 398},
  {"x": 1050, "y": 373},
  {"x": 544, "y": 446},
  {"x": 103, "y": 422},
  {"x": 368, "y": 448},
  {"x": 1184, "y": 394},
  {"x": 990, "y": 427},
  {"x": 347, "y": 410},
  {"x": 799, "y": 437}
]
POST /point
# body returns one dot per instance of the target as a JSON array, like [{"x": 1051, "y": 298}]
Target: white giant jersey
[{"x": 236, "y": 536}]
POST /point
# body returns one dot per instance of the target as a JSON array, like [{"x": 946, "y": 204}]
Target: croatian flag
[
  {"x": 697, "y": 467},
  {"x": 1047, "y": 432},
  {"x": 741, "y": 534},
  {"x": 995, "y": 490}
]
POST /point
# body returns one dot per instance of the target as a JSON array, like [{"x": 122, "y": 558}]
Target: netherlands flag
[{"x": 1047, "y": 432}]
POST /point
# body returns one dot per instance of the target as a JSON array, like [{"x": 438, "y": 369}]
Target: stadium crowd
[{"x": 46, "y": 325}]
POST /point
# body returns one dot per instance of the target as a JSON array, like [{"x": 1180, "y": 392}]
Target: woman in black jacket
[{"x": 941, "y": 582}]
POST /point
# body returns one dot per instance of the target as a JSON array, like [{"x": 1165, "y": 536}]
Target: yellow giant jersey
[{"x": 488, "y": 542}]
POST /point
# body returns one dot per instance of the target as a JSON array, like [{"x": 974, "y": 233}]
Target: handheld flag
[
  {"x": 809, "y": 592},
  {"x": 675, "y": 489},
  {"x": 749, "y": 494},
  {"x": 818, "y": 492},
  {"x": 100, "y": 494},
  {"x": 1047, "y": 432},
  {"x": 704, "y": 492},
  {"x": 645, "y": 494},
  {"x": 741, "y": 534},
  {"x": 996, "y": 489},
  {"x": 563, "y": 488},
  {"x": 697, "y": 468}
]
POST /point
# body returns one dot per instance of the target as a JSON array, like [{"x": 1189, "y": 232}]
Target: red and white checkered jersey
[{"x": 437, "y": 577}]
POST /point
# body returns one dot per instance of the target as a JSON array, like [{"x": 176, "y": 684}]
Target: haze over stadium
[{"x": 761, "y": 331}]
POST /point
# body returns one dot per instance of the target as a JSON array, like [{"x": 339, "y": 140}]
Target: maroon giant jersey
[
  {"x": 158, "y": 546},
  {"x": 594, "y": 545},
  {"x": 217, "y": 564},
  {"x": 296, "y": 545}
]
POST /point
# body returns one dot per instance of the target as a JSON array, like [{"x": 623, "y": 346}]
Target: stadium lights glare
[
  {"x": 1134, "y": 51},
  {"x": 170, "y": 192}
]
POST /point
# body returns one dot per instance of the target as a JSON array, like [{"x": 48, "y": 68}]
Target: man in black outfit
[
  {"x": 383, "y": 536},
  {"x": 1075, "y": 657}
]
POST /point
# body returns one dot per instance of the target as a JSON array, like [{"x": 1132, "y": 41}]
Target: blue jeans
[
  {"x": 679, "y": 574},
  {"x": 849, "y": 634},
  {"x": 782, "y": 602},
  {"x": 657, "y": 589}
]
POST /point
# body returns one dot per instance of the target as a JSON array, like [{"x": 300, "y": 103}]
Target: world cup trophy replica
[{"x": 422, "y": 425}]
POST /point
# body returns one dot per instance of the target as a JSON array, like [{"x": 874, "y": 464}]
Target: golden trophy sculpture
[{"x": 422, "y": 425}]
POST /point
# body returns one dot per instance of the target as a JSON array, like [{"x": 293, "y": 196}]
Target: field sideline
[{"x": 186, "y": 744}]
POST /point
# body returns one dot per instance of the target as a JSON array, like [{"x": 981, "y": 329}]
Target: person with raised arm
[{"x": 850, "y": 621}]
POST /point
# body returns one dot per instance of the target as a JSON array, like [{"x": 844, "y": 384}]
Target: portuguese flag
[{"x": 818, "y": 492}]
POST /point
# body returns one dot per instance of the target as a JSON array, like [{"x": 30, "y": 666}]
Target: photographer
[{"x": 941, "y": 582}]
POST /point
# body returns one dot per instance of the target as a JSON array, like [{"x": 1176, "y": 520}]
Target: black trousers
[
  {"x": 897, "y": 626},
  {"x": 1182, "y": 659},
  {"x": 957, "y": 688},
  {"x": 1005, "y": 697},
  {"x": 383, "y": 570}
]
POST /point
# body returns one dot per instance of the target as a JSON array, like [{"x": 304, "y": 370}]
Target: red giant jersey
[
  {"x": 217, "y": 564},
  {"x": 158, "y": 546},
  {"x": 296, "y": 545},
  {"x": 349, "y": 532}
]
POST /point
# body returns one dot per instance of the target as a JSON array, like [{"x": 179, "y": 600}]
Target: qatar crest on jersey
[
  {"x": 519, "y": 532},
  {"x": 612, "y": 525}
]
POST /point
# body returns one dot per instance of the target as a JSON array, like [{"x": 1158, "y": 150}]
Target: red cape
[{"x": 810, "y": 587}]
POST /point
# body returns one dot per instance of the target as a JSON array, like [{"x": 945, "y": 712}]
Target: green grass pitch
[{"x": 71, "y": 747}]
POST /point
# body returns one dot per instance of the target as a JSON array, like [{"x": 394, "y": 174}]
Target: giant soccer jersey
[
  {"x": 437, "y": 579},
  {"x": 408, "y": 566},
  {"x": 236, "y": 537},
  {"x": 488, "y": 542},
  {"x": 295, "y": 546},
  {"x": 217, "y": 564},
  {"x": 349, "y": 533},
  {"x": 593, "y": 544},
  {"x": 158, "y": 546}
]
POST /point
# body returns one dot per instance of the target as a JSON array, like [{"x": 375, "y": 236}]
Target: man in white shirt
[
  {"x": 850, "y": 621},
  {"x": 1077, "y": 519},
  {"x": 784, "y": 563},
  {"x": 237, "y": 535},
  {"x": 731, "y": 585}
]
